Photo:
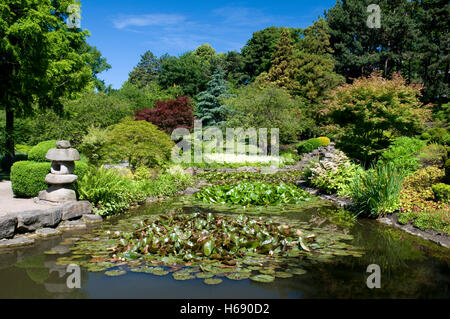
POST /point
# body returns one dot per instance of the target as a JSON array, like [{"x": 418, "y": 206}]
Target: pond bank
[{"x": 429, "y": 234}]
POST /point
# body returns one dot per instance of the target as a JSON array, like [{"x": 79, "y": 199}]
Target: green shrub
[
  {"x": 252, "y": 193},
  {"x": 403, "y": 154},
  {"x": 439, "y": 135},
  {"x": 447, "y": 171},
  {"x": 442, "y": 192},
  {"x": 22, "y": 148},
  {"x": 37, "y": 153},
  {"x": 308, "y": 145},
  {"x": 167, "y": 184},
  {"x": 324, "y": 140},
  {"x": 425, "y": 136},
  {"x": 109, "y": 192},
  {"x": 93, "y": 145},
  {"x": 376, "y": 191},
  {"x": 433, "y": 154},
  {"x": 140, "y": 143},
  {"x": 28, "y": 178}
]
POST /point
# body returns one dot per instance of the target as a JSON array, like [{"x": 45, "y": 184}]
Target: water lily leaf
[
  {"x": 282, "y": 274},
  {"x": 204, "y": 275},
  {"x": 114, "y": 273},
  {"x": 238, "y": 276},
  {"x": 262, "y": 278},
  {"x": 208, "y": 247},
  {"x": 297, "y": 271},
  {"x": 212, "y": 281},
  {"x": 179, "y": 275}
]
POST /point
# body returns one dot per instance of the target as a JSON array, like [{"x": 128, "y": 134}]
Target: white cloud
[{"x": 143, "y": 20}]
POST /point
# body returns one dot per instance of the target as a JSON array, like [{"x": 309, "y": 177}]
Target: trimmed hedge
[
  {"x": 28, "y": 178},
  {"x": 308, "y": 145},
  {"x": 37, "y": 153}
]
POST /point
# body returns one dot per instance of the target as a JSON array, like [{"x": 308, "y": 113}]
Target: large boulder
[
  {"x": 74, "y": 210},
  {"x": 8, "y": 225},
  {"x": 31, "y": 220}
]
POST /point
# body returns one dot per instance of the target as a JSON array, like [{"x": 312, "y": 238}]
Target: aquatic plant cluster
[
  {"x": 197, "y": 235},
  {"x": 209, "y": 246},
  {"x": 253, "y": 193}
]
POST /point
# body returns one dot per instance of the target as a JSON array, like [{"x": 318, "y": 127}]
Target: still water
[{"x": 410, "y": 268}]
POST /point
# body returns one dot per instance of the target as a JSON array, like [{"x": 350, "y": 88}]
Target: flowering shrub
[{"x": 332, "y": 174}]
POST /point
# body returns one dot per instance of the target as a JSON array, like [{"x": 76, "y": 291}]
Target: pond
[{"x": 410, "y": 266}]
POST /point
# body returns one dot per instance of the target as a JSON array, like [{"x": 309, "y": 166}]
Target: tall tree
[
  {"x": 315, "y": 67},
  {"x": 40, "y": 59},
  {"x": 412, "y": 39},
  {"x": 209, "y": 108},
  {"x": 259, "y": 50},
  {"x": 98, "y": 64},
  {"x": 187, "y": 71},
  {"x": 284, "y": 69},
  {"x": 146, "y": 71}
]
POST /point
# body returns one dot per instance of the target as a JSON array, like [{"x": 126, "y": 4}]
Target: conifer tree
[
  {"x": 209, "y": 109},
  {"x": 146, "y": 71},
  {"x": 284, "y": 64},
  {"x": 315, "y": 72}
]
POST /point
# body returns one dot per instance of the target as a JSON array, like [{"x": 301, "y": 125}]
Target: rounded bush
[
  {"x": 442, "y": 192},
  {"x": 28, "y": 178},
  {"x": 425, "y": 136},
  {"x": 309, "y": 145},
  {"x": 140, "y": 143},
  {"x": 324, "y": 140},
  {"x": 37, "y": 153}
]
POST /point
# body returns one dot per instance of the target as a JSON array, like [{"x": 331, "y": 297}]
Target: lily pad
[
  {"x": 283, "y": 274},
  {"x": 262, "y": 278},
  {"x": 180, "y": 275},
  {"x": 212, "y": 281},
  {"x": 297, "y": 271},
  {"x": 204, "y": 275},
  {"x": 238, "y": 276},
  {"x": 114, "y": 273}
]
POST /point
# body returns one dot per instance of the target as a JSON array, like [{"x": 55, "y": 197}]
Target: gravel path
[{"x": 9, "y": 204}]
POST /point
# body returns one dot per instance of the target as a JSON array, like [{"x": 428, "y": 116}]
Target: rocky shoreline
[{"x": 22, "y": 228}]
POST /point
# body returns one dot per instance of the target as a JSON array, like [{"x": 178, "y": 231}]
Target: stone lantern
[{"x": 61, "y": 176}]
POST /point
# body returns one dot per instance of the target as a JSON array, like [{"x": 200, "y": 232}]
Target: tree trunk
[{"x": 9, "y": 136}]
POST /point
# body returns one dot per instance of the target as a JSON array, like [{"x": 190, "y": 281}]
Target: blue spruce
[{"x": 209, "y": 108}]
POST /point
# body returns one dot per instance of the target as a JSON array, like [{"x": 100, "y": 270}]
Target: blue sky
[{"x": 124, "y": 29}]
